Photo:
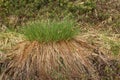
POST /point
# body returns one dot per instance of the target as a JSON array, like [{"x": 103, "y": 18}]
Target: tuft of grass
[{"x": 49, "y": 31}]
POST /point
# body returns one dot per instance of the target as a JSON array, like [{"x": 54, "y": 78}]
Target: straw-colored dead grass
[{"x": 64, "y": 60}]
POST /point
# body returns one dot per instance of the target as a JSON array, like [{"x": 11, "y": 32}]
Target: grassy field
[{"x": 60, "y": 40}]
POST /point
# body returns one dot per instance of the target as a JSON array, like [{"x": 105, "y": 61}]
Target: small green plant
[
  {"x": 115, "y": 48},
  {"x": 112, "y": 45},
  {"x": 48, "y": 31}
]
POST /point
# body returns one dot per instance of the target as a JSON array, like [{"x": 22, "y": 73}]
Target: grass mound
[
  {"x": 49, "y": 31},
  {"x": 53, "y": 53},
  {"x": 64, "y": 60}
]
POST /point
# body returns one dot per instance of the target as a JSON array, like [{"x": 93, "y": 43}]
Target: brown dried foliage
[{"x": 64, "y": 60}]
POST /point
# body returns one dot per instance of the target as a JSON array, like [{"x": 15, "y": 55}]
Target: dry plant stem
[{"x": 50, "y": 61}]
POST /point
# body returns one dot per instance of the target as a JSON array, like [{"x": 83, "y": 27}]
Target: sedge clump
[{"x": 50, "y": 31}]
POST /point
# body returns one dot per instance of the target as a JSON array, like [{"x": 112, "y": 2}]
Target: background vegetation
[{"x": 103, "y": 14}]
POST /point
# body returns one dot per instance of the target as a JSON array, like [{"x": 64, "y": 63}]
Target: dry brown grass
[
  {"x": 9, "y": 39},
  {"x": 64, "y": 60}
]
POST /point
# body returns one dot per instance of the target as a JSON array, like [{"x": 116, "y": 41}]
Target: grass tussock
[
  {"x": 64, "y": 60},
  {"x": 49, "y": 31}
]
